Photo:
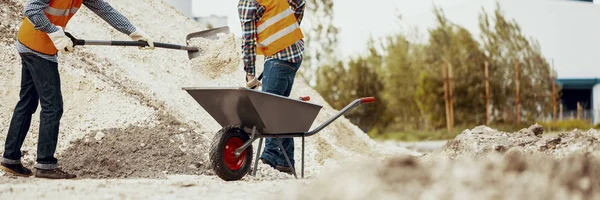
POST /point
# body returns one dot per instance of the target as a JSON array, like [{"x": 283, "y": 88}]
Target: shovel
[{"x": 193, "y": 52}]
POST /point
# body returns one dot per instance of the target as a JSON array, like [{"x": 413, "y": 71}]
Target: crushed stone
[{"x": 482, "y": 140}]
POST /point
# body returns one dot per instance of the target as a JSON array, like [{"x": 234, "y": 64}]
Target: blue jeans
[
  {"x": 40, "y": 81},
  {"x": 278, "y": 78}
]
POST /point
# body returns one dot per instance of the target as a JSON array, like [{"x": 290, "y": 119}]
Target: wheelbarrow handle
[
  {"x": 128, "y": 43},
  {"x": 349, "y": 107}
]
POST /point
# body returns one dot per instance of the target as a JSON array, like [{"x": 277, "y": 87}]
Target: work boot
[
  {"x": 287, "y": 170},
  {"x": 53, "y": 174},
  {"x": 16, "y": 169},
  {"x": 264, "y": 161}
]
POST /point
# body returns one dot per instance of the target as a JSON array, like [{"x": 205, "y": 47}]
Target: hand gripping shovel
[{"x": 193, "y": 52}]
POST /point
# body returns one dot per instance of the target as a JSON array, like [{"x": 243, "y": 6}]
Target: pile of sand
[
  {"x": 134, "y": 97},
  {"x": 482, "y": 140},
  {"x": 478, "y": 164}
]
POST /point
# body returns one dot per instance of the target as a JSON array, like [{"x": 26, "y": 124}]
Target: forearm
[
  {"x": 34, "y": 11},
  {"x": 110, "y": 15},
  {"x": 247, "y": 11},
  {"x": 249, "y": 52}
]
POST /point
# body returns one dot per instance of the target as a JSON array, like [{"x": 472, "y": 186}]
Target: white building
[{"x": 184, "y": 6}]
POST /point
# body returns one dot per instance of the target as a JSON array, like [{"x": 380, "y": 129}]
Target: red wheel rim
[{"x": 231, "y": 161}]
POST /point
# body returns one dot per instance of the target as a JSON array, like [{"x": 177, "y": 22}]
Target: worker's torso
[
  {"x": 59, "y": 12},
  {"x": 278, "y": 28}
]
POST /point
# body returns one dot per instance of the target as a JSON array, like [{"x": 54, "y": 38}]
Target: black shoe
[
  {"x": 16, "y": 169},
  {"x": 266, "y": 162},
  {"x": 53, "y": 174},
  {"x": 287, "y": 170}
]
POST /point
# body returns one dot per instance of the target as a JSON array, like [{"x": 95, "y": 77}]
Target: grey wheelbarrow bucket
[{"x": 248, "y": 115}]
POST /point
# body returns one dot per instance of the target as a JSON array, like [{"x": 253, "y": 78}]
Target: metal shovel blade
[{"x": 211, "y": 34}]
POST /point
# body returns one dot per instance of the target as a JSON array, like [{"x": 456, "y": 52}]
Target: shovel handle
[{"x": 128, "y": 43}]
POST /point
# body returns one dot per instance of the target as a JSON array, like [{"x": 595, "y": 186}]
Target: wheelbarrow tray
[{"x": 247, "y": 108}]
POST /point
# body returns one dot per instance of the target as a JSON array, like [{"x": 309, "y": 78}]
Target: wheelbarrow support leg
[
  {"x": 253, "y": 138},
  {"x": 286, "y": 157},
  {"x": 257, "y": 156},
  {"x": 302, "y": 155}
]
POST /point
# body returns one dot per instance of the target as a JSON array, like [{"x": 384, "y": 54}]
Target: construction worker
[
  {"x": 40, "y": 38},
  {"x": 272, "y": 28}
]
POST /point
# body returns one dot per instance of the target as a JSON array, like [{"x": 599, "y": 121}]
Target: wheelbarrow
[{"x": 247, "y": 115}]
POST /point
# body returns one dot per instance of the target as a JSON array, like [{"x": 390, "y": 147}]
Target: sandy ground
[{"x": 175, "y": 187}]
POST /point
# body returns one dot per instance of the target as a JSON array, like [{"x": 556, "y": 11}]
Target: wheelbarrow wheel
[{"x": 222, "y": 154}]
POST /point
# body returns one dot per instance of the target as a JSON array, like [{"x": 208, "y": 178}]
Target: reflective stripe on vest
[
  {"x": 278, "y": 35},
  {"x": 274, "y": 19},
  {"x": 59, "y": 12},
  {"x": 278, "y": 28}
]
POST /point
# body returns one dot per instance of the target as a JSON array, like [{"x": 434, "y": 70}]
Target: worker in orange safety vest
[
  {"x": 40, "y": 38},
  {"x": 272, "y": 28}
]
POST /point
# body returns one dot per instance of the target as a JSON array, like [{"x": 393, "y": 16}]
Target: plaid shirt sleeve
[
  {"x": 298, "y": 7},
  {"x": 110, "y": 15},
  {"x": 247, "y": 10}
]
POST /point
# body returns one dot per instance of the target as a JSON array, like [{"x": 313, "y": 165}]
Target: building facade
[{"x": 580, "y": 96}]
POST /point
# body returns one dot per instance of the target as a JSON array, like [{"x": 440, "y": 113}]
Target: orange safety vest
[
  {"x": 59, "y": 12},
  {"x": 278, "y": 28}
]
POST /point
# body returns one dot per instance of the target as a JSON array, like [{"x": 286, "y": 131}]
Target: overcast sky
[{"x": 567, "y": 31}]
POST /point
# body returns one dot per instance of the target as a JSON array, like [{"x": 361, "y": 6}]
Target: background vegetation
[{"x": 406, "y": 78}]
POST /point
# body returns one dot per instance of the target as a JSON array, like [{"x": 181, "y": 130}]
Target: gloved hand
[
  {"x": 139, "y": 35},
  {"x": 61, "y": 41},
  {"x": 252, "y": 81}
]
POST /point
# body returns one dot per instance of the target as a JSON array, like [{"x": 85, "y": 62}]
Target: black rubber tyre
[{"x": 226, "y": 167}]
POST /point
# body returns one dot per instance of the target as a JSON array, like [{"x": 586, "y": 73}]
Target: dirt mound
[
  {"x": 138, "y": 152},
  {"x": 513, "y": 176},
  {"x": 482, "y": 140},
  {"x": 481, "y": 163}
]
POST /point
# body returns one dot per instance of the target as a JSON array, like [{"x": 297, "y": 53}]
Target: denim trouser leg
[
  {"x": 40, "y": 80},
  {"x": 278, "y": 78},
  {"x": 21, "y": 118}
]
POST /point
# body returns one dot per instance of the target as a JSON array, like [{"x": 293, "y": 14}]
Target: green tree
[
  {"x": 505, "y": 44},
  {"x": 401, "y": 64},
  {"x": 340, "y": 84},
  {"x": 455, "y": 47}
]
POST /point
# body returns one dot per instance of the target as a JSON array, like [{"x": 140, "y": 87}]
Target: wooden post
[
  {"x": 518, "y": 111},
  {"x": 445, "y": 78},
  {"x": 487, "y": 94},
  {"x": 560, "y": 116},
  {"x": 553, "y": 94},
  {"x": 579, "y": 108},
  {"x": 451, "y": 95}
]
